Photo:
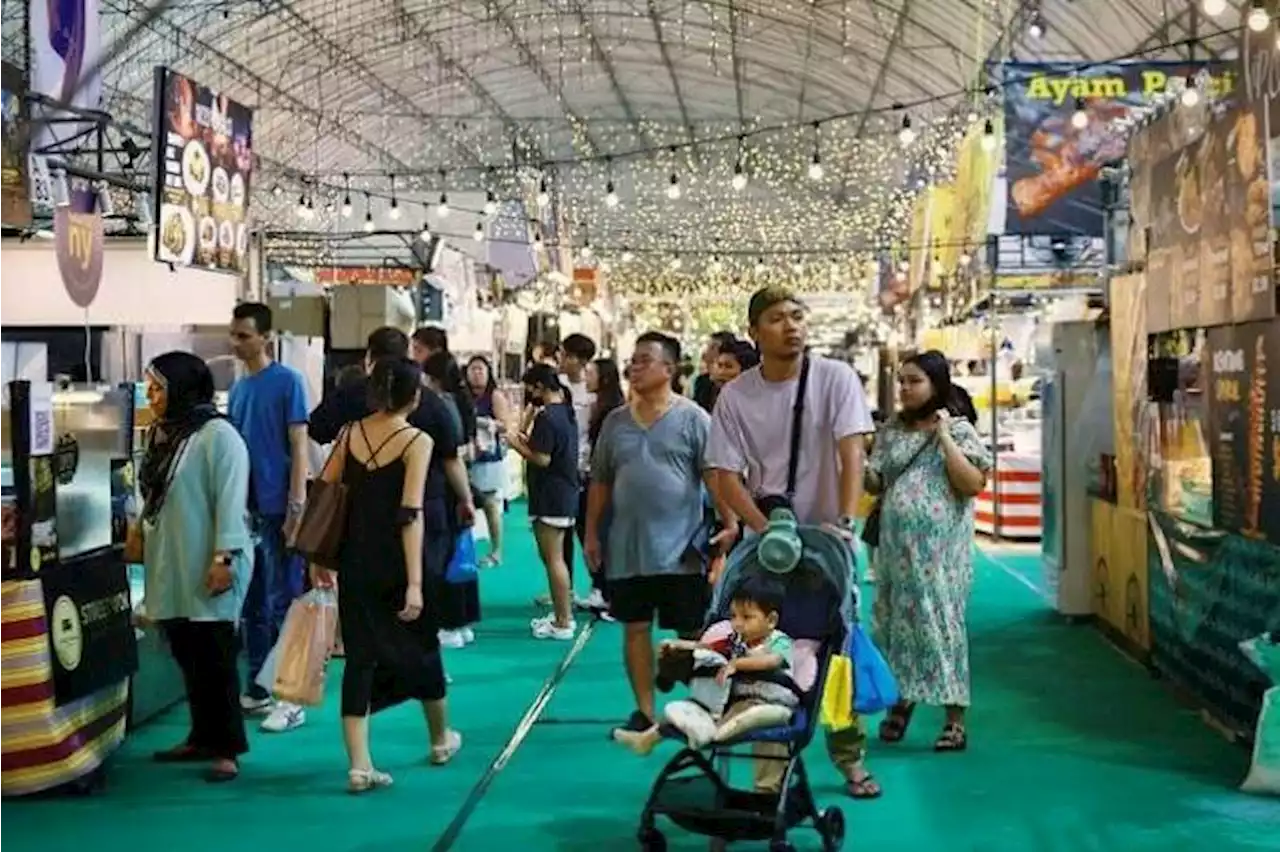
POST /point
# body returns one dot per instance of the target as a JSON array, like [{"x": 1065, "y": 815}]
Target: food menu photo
[
  {"x": 1183, "y": 484},
  {"x": 204, "y": 158},
  {"x": 1248, "y": 192}
]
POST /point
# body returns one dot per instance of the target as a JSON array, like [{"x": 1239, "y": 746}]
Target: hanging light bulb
[
  {"x": 585, "y": 251},
  {"x": 627, "y": 256},
  {"x": 989, "y": 141},
  {"x": 442, "y": 208},
  {"x": 1080, "y": 118},
  {"x": 610, "y": 195},
  {"x": 1190, "y": 94},
  {"x": 798, "y": 267},
  {"x": 302, "y": 206},
  {"x": 906, "y": 135},
  {"x": 490, "y": 203},
  {"x": 544, "y": 196},
  {"x": 965, "y": 259},
  {"x": 815, "y": 167},
  {"x": 759, "y": 267},
  {"x": 739, "y": 177},
  {"x": 605, "y": 266},
  {"x": 714, "y": 266},
  {"x": 346, "y": 206},
  {"x": 834, "y": 268},
  {"x": 673, "y": 190},
  {"x": 676, "y": 262},
  {"x": 368, "y": 222},
  {"x": 394, "y": 212},
  {"x": 1036, "y": 27},
  {"x": 537, "y": 235},
  {"x": 276, "y": 190},
  {"x": 329, "y": 206},
  {"x": 478, "y": 233},
  {"x": 425, "y": 234},
  {"x": 1258, "y": 19},
  {"x": 1214, "y": 8}
]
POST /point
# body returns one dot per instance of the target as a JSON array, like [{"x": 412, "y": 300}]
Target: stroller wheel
[
  {"x": 831, "y": 826},
  {"x": 651, "y": 840}
]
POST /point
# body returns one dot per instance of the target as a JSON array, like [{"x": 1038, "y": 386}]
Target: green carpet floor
[{"x": 1072, "y": 748}]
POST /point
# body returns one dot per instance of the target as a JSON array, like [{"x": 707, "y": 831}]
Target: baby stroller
[{"x": 692, "y": 790}]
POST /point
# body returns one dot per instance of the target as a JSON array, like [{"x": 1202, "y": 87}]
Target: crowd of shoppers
[{"x": 419, "y": 443}]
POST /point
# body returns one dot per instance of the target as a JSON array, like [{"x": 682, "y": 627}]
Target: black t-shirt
[
  {"x": 704, "y": 392},
  {"x": 553, "y": 490}
]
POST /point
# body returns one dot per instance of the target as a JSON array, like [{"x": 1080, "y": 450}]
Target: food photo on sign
[
  {"x": 204, "y": 167},
  {"x": 1060, "y": 134}
]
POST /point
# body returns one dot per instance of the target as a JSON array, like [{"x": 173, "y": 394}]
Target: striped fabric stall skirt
[{"x": 43, "y": 746}]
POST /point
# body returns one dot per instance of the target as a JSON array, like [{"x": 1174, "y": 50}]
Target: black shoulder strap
[{"x": 797, "y": 418}]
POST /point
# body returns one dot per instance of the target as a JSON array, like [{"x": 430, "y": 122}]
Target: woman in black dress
[{"x": 392, "y": 651}]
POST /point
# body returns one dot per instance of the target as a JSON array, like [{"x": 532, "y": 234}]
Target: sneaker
[
  {"x": 547, "y": 629},
  {"x": 452, "y": 639},
  {"x": 468, "y": 635},
  {"x": 442, "y": 754},
  {"x": 542, "y": 600},
  {"x": 597, "y": 605},
  {"x": 284, "y": 717},
  {"x": 254, "y": 706}
]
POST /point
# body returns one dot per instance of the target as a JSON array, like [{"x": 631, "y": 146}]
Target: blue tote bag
[
  {"x": 875, "y": 689},
  {"x": 463, "y": 565}
]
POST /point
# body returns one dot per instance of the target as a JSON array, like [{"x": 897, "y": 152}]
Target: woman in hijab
[
  {"x": 197, "y": 552},
  {"x": 927, "y": 466}
]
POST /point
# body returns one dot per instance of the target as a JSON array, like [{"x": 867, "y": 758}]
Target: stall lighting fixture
[
  {"x": 1190, "y": 94},
  {"x": 610, "y": 195},
  {"x": 1258, "y": 19},
  {"x": 1214, "y": 8},
  {"x": 346, "y": 206},
  {"x": 739, "y": 177},
  {"x": 907, "y": 134},
  {"x": 425, "y": 234},
  {"x": 490, "y": 203},
  {"x": 989, "y": 141},
  {"x": 442, "y": 208},
  {"x": 1080, "y": 118},
  {"x": 815, "y": 167},
  {"x": 673, "y": 189},
  {"x": 1036, "y": 27},
  {"x": 368, "y": 222},
  {"x": 478, "y": 233},
  {"x": 585, "y": 251}
]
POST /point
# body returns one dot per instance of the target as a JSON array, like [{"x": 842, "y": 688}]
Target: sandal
[
  {"x": 364, "y": 780},
  {"x": 895, "y": 724},
  {"x": 863, "y": 785},
  {"x": 952, "y": 738},
  {"x": 442, "y": 754}
]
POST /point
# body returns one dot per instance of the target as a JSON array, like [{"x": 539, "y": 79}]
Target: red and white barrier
[{"x": 1018, "y": 478}]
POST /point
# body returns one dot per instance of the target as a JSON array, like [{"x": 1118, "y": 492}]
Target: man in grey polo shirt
[{"x": 648, "y": 469}]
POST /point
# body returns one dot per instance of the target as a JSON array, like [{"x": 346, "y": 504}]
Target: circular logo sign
[
  {"x": 78, "y": 241},
  {"x": 66, "y": 634}
]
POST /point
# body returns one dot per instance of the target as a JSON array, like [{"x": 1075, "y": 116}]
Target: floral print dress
[{"x": 924, "y": 564}]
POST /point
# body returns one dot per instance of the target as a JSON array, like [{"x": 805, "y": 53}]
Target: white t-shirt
[
  {"x": 583, "y": 400},
  {"x": 751, "y": 431}
]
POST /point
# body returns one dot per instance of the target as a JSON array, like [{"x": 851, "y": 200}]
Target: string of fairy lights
[{"x": 815, "y": 202}]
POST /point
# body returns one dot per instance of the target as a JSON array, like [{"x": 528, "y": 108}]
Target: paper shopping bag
[{"x": 306, "y": 641}]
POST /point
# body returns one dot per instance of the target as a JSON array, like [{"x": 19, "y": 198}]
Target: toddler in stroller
[
  {"x": 812, "y": 570},
  {"x": 722, "y": 707}
]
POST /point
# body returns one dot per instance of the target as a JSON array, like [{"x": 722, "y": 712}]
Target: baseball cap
[{"x": 765, "y": 298}]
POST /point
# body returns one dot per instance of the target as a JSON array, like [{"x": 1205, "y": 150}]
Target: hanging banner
[
  {"x": 15, "y": 206},
  {"x": 204, "y": 161},
  {"x": 1052, "y": 165},
  {"x": 78, "y": 242},
  {"x": 66, "y": 66}
]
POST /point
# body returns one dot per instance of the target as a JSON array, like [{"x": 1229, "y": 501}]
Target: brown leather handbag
[{"x": 318, "y": 537}]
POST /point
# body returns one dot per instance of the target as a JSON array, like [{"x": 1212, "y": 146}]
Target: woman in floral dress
[{"x": 928, "y": 464}]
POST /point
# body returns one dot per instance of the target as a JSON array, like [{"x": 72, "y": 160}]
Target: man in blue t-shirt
[{"x": 268, "y": 404}]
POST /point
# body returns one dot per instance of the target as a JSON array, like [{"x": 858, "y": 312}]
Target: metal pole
[{"x": 992, "y": 321}]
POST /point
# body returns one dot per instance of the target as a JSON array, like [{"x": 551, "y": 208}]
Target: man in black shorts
[{"x": 648, "y": 468}]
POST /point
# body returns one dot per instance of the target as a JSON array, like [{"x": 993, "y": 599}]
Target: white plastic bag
[{"x": 1264, "y": 773}]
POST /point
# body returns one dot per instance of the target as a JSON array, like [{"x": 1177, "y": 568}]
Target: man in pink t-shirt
[{"x": 750, "y": 448}]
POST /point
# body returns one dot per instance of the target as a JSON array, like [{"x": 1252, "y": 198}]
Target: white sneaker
[
  {"x": 596, "y": 601},
  {"x": 452, "y": 639},
  {"x": 468, "y": 635},
  {"x": 284, "y": 717},
  {"x": 545, "y": 628}
]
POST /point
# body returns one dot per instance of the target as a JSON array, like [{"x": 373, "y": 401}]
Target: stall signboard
[
  {"x": 90, "y": 618},
  {"x": 376, "y": 276},
  {"x": 1053, "y": 166},
  {"x": 203, "y": 153},
  {"x": 15, "y": 200},
  {"x": 78, "y": 243},
  {"x": 1254, "y": 290}
]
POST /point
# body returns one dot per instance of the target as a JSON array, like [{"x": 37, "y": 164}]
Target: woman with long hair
[
  {"x": 198, "y": 553},
  {"x": 928, "y": 465},
  {"x": 393, "y": 653},
  {"x": 604, "y": 383},
  {"x": 459, "y": 603},
  {"x": 551, "y": 449},
  {"x": 488, "y": 458}
]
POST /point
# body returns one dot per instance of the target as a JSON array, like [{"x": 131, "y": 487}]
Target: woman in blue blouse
[{"x": 198, "y": 553}]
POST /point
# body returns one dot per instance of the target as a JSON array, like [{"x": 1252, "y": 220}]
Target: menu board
[
  {"x": 1244, "y": 364},
  {"x": 1249, "y": 200},
  {"x": 204, "y": 161},
  {"x": 1210, "y": 254}
]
